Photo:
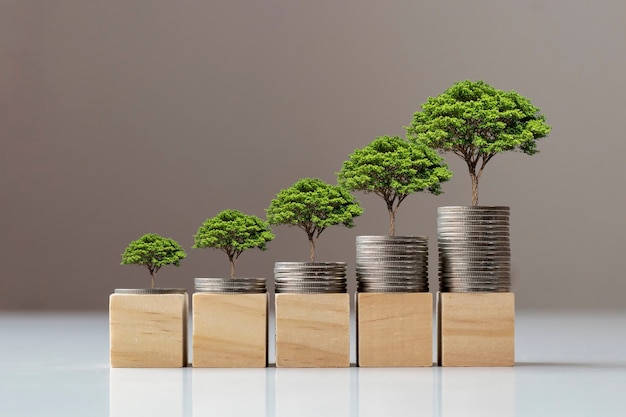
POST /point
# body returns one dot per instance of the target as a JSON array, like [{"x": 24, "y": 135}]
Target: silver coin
[
  {"x": 391, "y": 251},
  {"x": 310, "y": 291},
  {"x": 149, "y": 291},
  {"x": 463, "y": 229},
  {"x": 389, "y": 265},
  {"x": 232, "y": 291},
  {"x": 447, "y": 209},
  {"x": 476, "y": 289},
  {"x": 310, "y": 264},
  {"x": 386, "y": 238},
  {"x": 485, "y": 263}
]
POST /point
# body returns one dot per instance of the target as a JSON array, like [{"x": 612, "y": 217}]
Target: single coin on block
[
  {"x": 148, "y": 328},
  {"x": 394, "y": 329},
  {"x": 476, "y": 329},
  {"x": 229, "y": 330},
  {"x": 313, "y": 330}
]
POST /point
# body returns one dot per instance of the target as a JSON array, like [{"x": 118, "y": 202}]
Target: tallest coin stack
[{"x": 474, "y": 249}]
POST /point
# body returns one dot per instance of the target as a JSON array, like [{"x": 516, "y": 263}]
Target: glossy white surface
[{"x": 568, "y": 364}]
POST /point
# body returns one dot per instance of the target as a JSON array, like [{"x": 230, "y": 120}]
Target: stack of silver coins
[
  {"x": 310, "y": 277},
  {"x": 392, "y": 263},
  {"x": 474, "y": 249},
  {"x": 231, "y": 285}
]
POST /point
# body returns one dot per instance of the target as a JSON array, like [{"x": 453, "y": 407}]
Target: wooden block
[
  {"x": 229, "y": 330},
  {"x": 476, "y": 329},
  {"x": 394, "y": 329},
  {"x": 148, "y": 330},
  {"x": 312, "y": 330}
]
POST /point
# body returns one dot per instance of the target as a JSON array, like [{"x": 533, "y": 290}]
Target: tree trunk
[
  {"x": 232, "y": 266},
  {"x": 474, "y": 188},
  {"x": 312, "y": 249},
  {"x": 392, "y": 221},
  {"x": 152, "y": 275}
]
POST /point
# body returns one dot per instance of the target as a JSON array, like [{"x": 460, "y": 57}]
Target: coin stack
[
  {"x": 392, "y": 263},
  {"x": 310, "y": 277},
  {"x": 474, "y": 249},
  {"x": 231, "y": 285}
]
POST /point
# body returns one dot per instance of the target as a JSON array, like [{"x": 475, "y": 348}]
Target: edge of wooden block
[
  {"x": 115, "y": 362},
  {"x": 231, "y": 363},
  {"x": 341, "y": 360},
  {"x": 508, "y": 360},
  {"x": 423, "y": 359}
]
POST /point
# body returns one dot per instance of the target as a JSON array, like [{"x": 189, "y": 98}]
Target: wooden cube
[
  {"x": 148, "y": 330},
  {"x": 394, "y": 329},
  {"x": 476, "y": 329},
  {"x": 313, "y": 330},
  {"x": 229, "y": 330}
]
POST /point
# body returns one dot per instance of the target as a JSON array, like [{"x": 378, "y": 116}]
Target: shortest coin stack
[
  {"x": 231, "y": 285},
  {"x": 310, "y": 277},
  {"x": 392, "y": 263}
]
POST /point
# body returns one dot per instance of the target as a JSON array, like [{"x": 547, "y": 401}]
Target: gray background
[{"x": 119, "y": 118}]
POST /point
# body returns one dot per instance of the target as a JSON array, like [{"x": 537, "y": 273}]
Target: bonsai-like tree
[
  {"x": 393, "y": 168},
  {"x": 232, "y": 232},
  {"x": 153, "y": 252},
  {"x": 476, "y": 122},
  {"x": 313, "y": 205}
]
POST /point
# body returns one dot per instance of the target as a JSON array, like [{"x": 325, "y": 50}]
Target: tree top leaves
[
  {"x": 473, "y": 117},
  {"x": 233, "y": 232},
  {"x": 153, "y": 251},
  {"x": 392, "y": 167},
  {"x": 313, "y": 205}
]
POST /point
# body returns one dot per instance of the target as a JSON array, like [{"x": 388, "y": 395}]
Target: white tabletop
[{"x": 568, "y": 364}]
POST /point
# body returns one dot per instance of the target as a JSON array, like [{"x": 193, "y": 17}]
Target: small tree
[
  {"x": 393, "y": 168},
  {"x": 475, "y": 121},
  {"x": 313, "y": 205},
  {"x": 153, "y": 252},
  {"x": 232, "y": 232}
]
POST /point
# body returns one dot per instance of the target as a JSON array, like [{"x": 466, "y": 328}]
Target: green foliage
[
  {"x": 313, "y": 205},
  {"x": 233, "y": 232},
  {"x": 394, "y": 168},
  {"x": 476, "y": 122},
  {"x": 153, "y": 252}
]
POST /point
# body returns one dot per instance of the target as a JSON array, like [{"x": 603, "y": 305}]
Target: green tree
[
  {"x": 313, "y": 205},
  {"x": 153, "y": 252},
  {"x": 475, "y": 121},
  {"x": 393, "y": 168},
  {"x": 232, "y": 232}
]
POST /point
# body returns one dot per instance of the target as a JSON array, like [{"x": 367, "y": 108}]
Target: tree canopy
[
  {"x": 232, "y": 232},
  {"x": 313, "y": 205},
  {"x": 153, "y": 252},
  {"x": 394, "y": 168},
  {"x": 476, "y": 121}
]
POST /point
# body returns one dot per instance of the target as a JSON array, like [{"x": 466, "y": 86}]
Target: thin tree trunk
[
  {"x": 232, "y": 266},
  {"x": 392, "y": 221},
  {"x": 474, "y": 188},
  {"x": 152, "y": 275},
  {"x": 312, "y": 249}
]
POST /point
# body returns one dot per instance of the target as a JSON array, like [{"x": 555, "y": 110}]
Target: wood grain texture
[
  {"x": 394, "y": 329},
  {"x": 229, "y": 330},
  {"x": 148, "y": 330},
  {"x": 313, "y": 330},
  {"x": 476, "y": 329}
]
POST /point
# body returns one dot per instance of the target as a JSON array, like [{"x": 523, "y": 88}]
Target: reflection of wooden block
[
  {"x": 394, "y": 329},
  {"x": 476, "y": 329},
  {"x": 229, "y": 330},
  {"x": 313, "y": 330},
  {"x": 148, "y": 330}
]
